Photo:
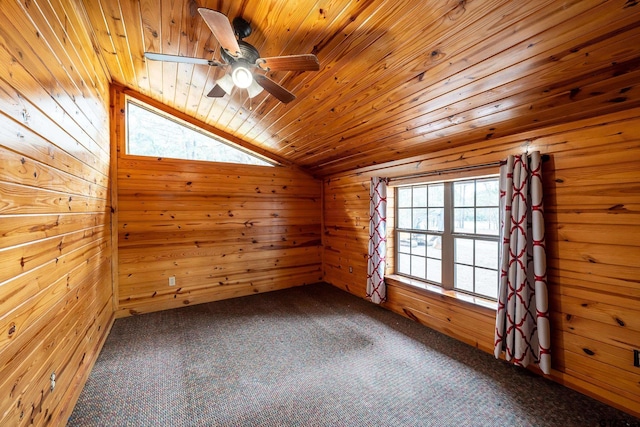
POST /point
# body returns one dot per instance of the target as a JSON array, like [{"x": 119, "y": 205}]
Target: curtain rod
[
  {"x": 445, "y": 171},
  {"x": 544, "y": 158}
]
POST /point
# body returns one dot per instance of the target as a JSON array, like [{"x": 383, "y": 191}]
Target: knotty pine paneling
[
  {"x": 222, "y": 230},
  {"x": 397, "y": 78},
  {"x": 592, "y": 206},
  {"x": 55, "y": 251}
]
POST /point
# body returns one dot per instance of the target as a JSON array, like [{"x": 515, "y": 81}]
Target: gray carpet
[{"x": 312, "y": 356}]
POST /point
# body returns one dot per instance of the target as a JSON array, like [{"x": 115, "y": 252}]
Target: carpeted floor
[{"x": 312, "y": 356}]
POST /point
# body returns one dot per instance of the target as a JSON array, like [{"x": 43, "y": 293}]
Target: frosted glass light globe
[{"x": 242, "y": 77}]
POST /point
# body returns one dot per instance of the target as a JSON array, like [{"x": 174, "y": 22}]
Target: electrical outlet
[
  {"x": 172, "y": 280},
  {"x": 636, "y": 358},
  {"x": 350, "y": 269}
]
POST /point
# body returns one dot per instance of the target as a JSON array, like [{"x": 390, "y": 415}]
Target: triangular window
[{"x": 151, "y": 133}]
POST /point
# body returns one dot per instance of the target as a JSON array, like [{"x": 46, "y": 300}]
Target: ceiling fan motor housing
[
  {"x": 241, "y": 27},
  {"x": 248, "y": 55}
]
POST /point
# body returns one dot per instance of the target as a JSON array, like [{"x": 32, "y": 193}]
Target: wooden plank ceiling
[{"x": 398, "y": 78}]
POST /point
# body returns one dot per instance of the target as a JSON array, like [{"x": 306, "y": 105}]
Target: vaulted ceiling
[{"x": 397, "y": 78}]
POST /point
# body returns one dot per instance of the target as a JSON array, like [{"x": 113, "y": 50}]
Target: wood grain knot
[{"x": 410, "y": 315}]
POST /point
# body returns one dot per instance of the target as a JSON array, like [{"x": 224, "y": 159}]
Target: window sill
[{"x": 427, "y": 289}]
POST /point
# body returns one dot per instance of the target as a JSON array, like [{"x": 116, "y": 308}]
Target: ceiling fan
[{"x": 243, "y": 60}]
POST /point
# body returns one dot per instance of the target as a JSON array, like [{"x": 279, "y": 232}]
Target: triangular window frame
[{"x": 196, "y": 144}]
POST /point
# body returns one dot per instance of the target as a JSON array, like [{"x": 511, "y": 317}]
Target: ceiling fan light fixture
[
  {"x": 254, "y": 89},
  {"x": 226, "y": 83},
  {"x": 239, "y": 59},
  {"x": 242, "y": 77}
]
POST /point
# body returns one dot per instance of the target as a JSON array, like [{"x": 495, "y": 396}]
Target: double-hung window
[{"x": 447, "y": 234}]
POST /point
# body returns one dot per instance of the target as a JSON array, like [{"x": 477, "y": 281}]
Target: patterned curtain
[
  {"x": 522, "y": 320},
  {"x": 376, "y": 289}
]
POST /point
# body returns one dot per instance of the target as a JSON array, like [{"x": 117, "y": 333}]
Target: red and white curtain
[
  {"x": 522, "y": 320},
  {"x": 376, "y": 288}
]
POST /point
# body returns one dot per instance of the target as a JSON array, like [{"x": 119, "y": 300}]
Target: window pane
[
  {"x": 418, "y": 267},
  {"x": 434, "y": 246},
  {"x": 487, "y": 221},
  {"x": 487, "y": 282},
  {"x": 436, "y": 219},
  {"x": 420, "y": 197},
  {"x": 486, "y": 254},
  {"x": 436, "y": 195},
  {"x": 434, "y": 270},
  {"x": 487, "y": 192},
  {"x": 418, "y": 246},
  {"x": 463, "y": 251},
  {"x": 463, "y": 278},
  {"x": 463, "y": 220},
  {"x": 404, "y": 218},
  {"x": 404, "y": 264},
  {"x": 420, "y": 219},
  {"x": 404, "y": 197},
  {"x": 473, "y": 235},
  {"x": 405, "y": 242},
  {"x": 153, "y": 134},
  {"x": 463, "y": 193}
]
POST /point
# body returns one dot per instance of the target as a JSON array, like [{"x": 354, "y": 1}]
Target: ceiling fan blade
[
  {"x": 274, "y": 88},
  {"x": 221, "y": 29},
  {"x": 182, "y": 59},
  {"x": 216, "y": 92},
  {"x": 289, "y": 63}
]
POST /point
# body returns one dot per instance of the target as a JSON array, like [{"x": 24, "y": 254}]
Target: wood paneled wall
[
  {"x": 223, "y": 230},
  {"x": 55, "y": 278},
  {"x": 592, "y": 205}
]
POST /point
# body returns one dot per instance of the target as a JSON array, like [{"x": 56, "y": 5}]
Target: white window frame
[{"x": 447, "y": 235}]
